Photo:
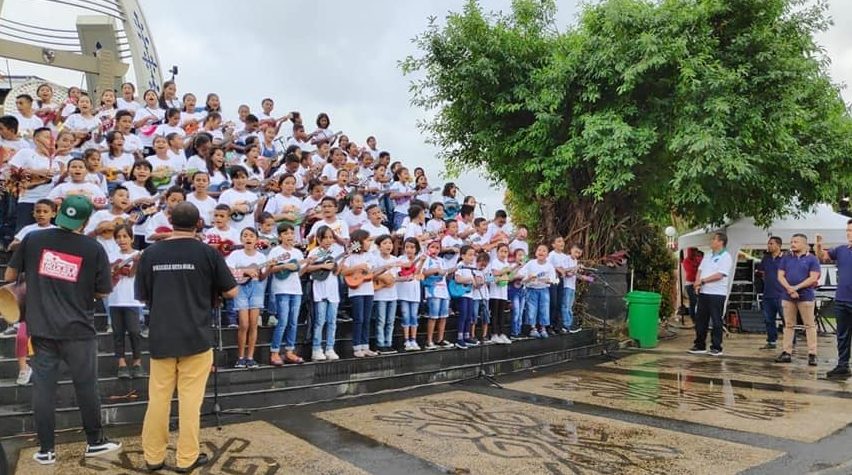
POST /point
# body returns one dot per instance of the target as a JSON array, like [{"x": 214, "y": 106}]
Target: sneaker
[
  {"x": 840, "y": 372},
  {"x": 495, "y": 340},
  {"x": 13, "y": 330},
  {"x": 272, "y": 322},
  {"x": 101, "y": 447},
  {"x": 415, "y": 346},
  {"x": 233, "y": 325},
  {"x": 358, "y": 354},
  {"x": 697, "y": 351},
  {"x": 506, "y": 340},
  {"x": 368, "y": 352},
  {"x": 562, "y": 331},
  {"x": 330, "y": 355},
  {"x": 318, "y": 355},
  {"x": 387, "y": 350},
  {"x": 45, "y": 458},
  {"x": 144, "y": 332},
  {"x": 430, "y": 345},
  {"x": 575, "y": 329},
  {"x": 534, "y": 333},
  {"x": 784, "y": 357},
  {"x": 461, "y": 345},
  {"x": 109, "y": 330},
  {"x": 770, "y": 345},
  {"x": 252, "y": 364},
  {"x": 445, "y": 344},
  {"x": 344, "y": 318},
  {"x": 812, "y": 360},
  {"x": 123, "y": 372},
  {"x": 471, "y": 342},
  {"x": 514, "y": 337},
  {"x": 24, "y": 376},
  {"x": 406, "y": 346},
  {"x": 714, "y": 352},
  {"x": 138, "y": 372}
]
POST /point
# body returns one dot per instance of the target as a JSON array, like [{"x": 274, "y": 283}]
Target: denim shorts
[
  {"x": 250, "y": 295},
  {"x": 438, "y": 308}
]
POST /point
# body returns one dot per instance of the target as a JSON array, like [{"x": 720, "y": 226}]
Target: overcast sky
[{"x": 336, "y": 56}]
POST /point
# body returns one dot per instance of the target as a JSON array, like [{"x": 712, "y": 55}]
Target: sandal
[
  {"x": 276, "y": 361},
  {"x": 292, "y": 358}
]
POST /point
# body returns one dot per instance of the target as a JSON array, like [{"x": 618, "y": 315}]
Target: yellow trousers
[
  {"x": 807, "y": 311},
  {"x": 189, "y": 375}
]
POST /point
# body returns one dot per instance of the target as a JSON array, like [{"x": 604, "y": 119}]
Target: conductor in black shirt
[
  {"x": 65, "y": 271},
  {"x": 179, "y": 278}
]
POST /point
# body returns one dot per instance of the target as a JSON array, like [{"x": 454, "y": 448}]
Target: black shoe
[
  {"x": 769, "y": 346},
  {"x": 784, "y": 357},
  {"x": 697, "y": 351},
  {"x": 812, "y": 360},
  {"x": 138, "y": 372},
  {"x": 156, "y": 467},
  {"x": 201, "y": 460},
  {"x": 103, "y": 446},
  {"x": 840, "y": 372}
]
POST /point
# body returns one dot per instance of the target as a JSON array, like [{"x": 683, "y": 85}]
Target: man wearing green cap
[{"x": 65, "y": 271}]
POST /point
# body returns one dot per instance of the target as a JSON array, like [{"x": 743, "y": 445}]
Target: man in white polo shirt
[{"x": 711, "y": 285}]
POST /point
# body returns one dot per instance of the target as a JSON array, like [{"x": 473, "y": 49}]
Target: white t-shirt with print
[
  {"x": 231, "y": 197},
  {"x": 123, "y": 293},
  {"x": 239, "y": 259},
  {"x": 205, "y": 207},
  {"x": 366, "y": 288},
  {"x": 292, "y": 285},
  {"x": 29, "y": 159},
  {"x": 387, "y": 294},
  {"x": 439, "y": 290},
  {"x": 496, "y": 291},
  {"x": 327, "y": 289}
]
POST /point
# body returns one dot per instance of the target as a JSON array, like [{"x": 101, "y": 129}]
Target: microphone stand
[
  {"x": 217, "y": 411},
  {"x": 480, "y": 370}
]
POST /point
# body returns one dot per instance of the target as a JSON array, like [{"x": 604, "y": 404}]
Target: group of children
[{"x": 310, "y": 216}]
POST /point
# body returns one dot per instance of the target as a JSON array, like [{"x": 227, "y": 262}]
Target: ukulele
[
  {"x": 412, "y": 268},
  {"x": 327, "y": 257},
  {"x": 123, "y": 268},
  {"x": 354, "y": 280}
]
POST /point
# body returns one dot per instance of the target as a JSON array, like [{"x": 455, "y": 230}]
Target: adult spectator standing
[
  {"x": 842, "y": 256},
  {"x": 798, "y": 273},
  {"x": 690, "y": 270},
  {"x": 772, "y": 290},
  {"x": 179, "y": 278},
  {"x": 65, "y": 271},
  {"x": 711, "y": 286}
]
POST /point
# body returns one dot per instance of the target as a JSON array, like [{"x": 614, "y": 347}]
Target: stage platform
[{"x": 124, "y": 401}]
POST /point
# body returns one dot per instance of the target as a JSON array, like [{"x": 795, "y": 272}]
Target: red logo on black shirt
[{"x": 58, "y": 265}]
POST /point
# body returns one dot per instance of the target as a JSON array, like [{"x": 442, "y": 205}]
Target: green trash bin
[{"x": 643, "y": 315}]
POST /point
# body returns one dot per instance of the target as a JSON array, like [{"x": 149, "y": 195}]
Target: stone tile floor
[{"x": 653, "y": 411}]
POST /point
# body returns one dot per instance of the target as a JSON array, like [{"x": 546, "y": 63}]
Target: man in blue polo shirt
[
  {"x": 798, "y": 274},
  {"x": 842, "y": 256},
  {"x": 772, "y": 290}
]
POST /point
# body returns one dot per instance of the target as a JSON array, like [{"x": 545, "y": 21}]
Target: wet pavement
[{"x": 655, "y": 411}]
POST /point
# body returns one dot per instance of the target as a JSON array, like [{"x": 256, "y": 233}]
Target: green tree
[{"x": 702, "y": 109}]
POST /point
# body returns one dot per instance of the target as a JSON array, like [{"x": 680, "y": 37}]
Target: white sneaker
[
  {"x": 25, "y": 376},
  {"x": 330, "y": 355},
  {"x": 317, "y": 355},
  {"x": 272, "y": 321},
  {"x": 45, "y": 458},
  {"x": 368, "y": 352},
  {"x": 358, "y": 353},
  {"x": 431, "y": 346},
  {"x": 496, "y": 339},
  {"x": 103, "y": 446},
  {"x": 415, "y": 346},
  {"x": 506, "y": 340},
  {"x": 407, "y": 346}
]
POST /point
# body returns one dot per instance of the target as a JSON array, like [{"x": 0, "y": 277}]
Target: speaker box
[{"x": 751, "y": 321}]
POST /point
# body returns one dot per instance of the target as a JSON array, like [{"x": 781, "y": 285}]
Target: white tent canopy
[{"x": 744, "y": 234}]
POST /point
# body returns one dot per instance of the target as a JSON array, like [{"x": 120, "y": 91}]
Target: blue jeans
[
  {"x": 386, "y": 313},
  {"x": 288, "y": 316},
  {"x": 567, "y": 307},
  {"x": 464, "y": 305},
  {"x": 518, "y": 303},
  {"x": 325, "y": 314},
  {"x": 409, "y": 313},
  {"x": 771, "y": 310},
  {"x": 538, "y": 306},
  {"x": 362, "y": 307},
  {"x": 271, "y": 299},
  {"x": 438, "y": 307},
  {"x": 843, "y": 314}
]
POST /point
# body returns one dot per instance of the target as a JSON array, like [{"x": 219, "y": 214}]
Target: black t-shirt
[
  {"x": 63, "y": 270},
  {"x": 179, "y": 278}
]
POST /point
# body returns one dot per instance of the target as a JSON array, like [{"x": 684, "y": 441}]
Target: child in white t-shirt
[
  {"x": 124, "y": 310},
  {"x": 362, "y": 262},
  {"x": 326, "y": 295},
  {"x": 287, "y": 292},
  {"x": 43, "y": 212},
  {"x": 437, "y": 297},
  {"x": 538, "y": 275},
  {"x": 248, "y": 266}
]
